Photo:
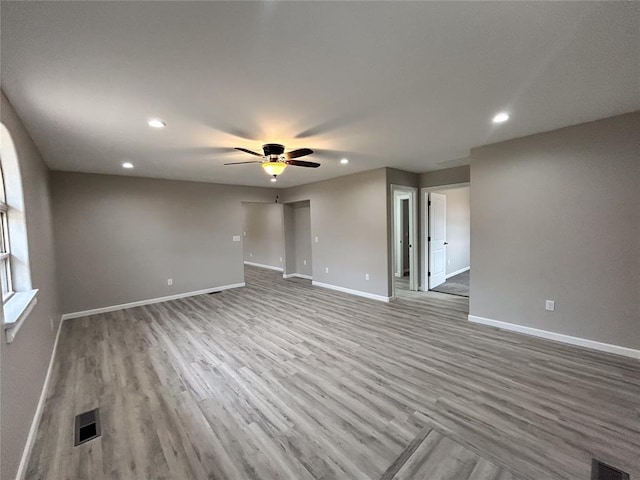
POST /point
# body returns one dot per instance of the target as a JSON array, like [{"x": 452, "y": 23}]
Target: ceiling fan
[{"x": 275, "y": 160}]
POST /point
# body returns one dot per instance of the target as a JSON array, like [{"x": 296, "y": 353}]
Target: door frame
[
  {"x": 412, "y": 193},
  {"x": 424, "y": 231}
]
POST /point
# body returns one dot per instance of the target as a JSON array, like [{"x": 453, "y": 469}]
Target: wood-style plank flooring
[{"x": 282, "y": 380}]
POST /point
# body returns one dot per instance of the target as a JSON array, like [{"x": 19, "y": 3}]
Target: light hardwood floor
[{"x": 282, "y": 380}]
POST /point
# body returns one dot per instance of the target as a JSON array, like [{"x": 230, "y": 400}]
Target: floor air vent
[
  {"x": 602, "y": 471},
  {"x": 87, "y": 426}
]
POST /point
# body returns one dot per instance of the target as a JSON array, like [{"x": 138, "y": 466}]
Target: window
[
  {"x": 18, "y": 296},
  {"x": 5, "y": 252}
]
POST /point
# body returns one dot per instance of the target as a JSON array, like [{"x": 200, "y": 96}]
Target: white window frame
[{"x": 5, "y": 247}]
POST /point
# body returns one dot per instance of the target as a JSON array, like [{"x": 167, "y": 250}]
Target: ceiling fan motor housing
[{"x": 273, "y": 150}]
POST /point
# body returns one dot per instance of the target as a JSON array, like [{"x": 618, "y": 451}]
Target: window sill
[{"x": 16, "y": 310}]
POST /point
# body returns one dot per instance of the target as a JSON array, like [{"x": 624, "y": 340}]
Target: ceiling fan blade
[
  {"x": 301, "y": 152},
  {"x": 249, "y": 151},
  {"x": 302, "y": 163},
  {"x": 240, "y": 163}
]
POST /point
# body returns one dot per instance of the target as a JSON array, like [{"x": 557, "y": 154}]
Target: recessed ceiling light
[
  {"x": 273, "y": 180},
  {"x": 344, "y": 161},
  {"x": 127, "y": 165},
  {"x": 155, "y": 123},
  {"x": 501, "y": 117}
]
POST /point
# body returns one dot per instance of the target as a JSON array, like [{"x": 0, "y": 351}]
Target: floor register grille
[
  {"x": 602, "y": 471},
  {"x": 87, "y": 426}
]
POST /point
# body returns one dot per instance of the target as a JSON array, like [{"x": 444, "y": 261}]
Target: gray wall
[
  {"x": 349, "y": 217},
  {"x": 448, "y": 176},
  {"x": 263, "y": 234},
  {"x": 458, "y": 228},
  {"x": 25, "y": 361},
  {"x": 402, "y": 177},
  {"x": 557, "y": 216},
  {"x": 118, "y": 239}
]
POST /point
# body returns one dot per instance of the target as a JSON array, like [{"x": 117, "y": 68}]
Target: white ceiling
[{"x": 408, "y": 85}]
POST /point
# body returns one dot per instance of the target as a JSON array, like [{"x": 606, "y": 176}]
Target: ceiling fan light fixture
[{"x": 274, "y": 168}]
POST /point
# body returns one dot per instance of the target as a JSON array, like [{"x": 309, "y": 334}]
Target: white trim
[
  {"x": 372, "y": 296},
  {"x": 94, "y": 311},
  {"x": 297, "y": 275},
  {"x": 269, "y": 267},
  {"x": 558, "y": 337},
  {"x": 31, "y": 437},
  {"x": 458, "y": 272}
]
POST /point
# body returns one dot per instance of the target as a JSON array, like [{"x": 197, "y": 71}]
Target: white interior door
[{"x": 437, "y": 239}]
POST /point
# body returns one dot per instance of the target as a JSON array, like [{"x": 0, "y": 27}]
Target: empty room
[{"x": 320, "y": 240}]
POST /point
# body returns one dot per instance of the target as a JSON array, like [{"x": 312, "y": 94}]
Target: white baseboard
[
  {"x": 112, "y": 308},
  {"x": 269, "y": 267},
  {"x": 372, "y": 296},
  {"x": 458, "y": 272},
  {"x": 297, "y": 275},
  {"x": 33, "y": 430},
  {"x": 558, "y": 337}
]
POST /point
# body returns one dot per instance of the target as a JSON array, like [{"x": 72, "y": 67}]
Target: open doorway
[
  {"x": 404, "y": 221},
  {"x": 448, "y": 233},
  {"x": 297, "y": 240},
  {"x": 262, "y": 237}
]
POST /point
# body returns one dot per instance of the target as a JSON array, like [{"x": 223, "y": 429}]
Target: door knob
[{"x": 446, "y": 243}]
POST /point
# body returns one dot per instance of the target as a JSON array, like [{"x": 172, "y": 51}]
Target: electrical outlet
[
  {"x": 448, "y": 262},
  {"x": 236, "y": 238},
  {"x": 550, "y": 305},
  {"x": 304, "y": 262},
  {"x": 326, "y": 270},
  {"x": 169, "y": 281},
  {"x": 251, "y": 254},
  {"x": 316, "y": 239},
  {"x": 366, "y": 276},
  {"x": 280, "y": 259},
  {"x": 244, "y": 233},
  {"x": 52, "y": 327}
]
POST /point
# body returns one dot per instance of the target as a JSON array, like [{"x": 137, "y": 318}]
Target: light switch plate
[{"x": 550, "y": 305}]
